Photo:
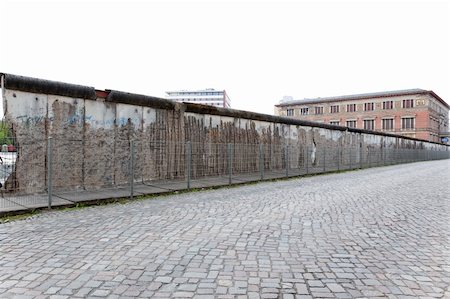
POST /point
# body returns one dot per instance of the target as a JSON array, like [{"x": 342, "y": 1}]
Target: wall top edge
[
  {"x": 139, "y": 100},
  {"x": 212, "y": 110},
  {"x": 34, "y": 85}
]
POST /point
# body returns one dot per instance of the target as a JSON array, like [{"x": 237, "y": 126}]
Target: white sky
[{"x": 258, "y": 51}]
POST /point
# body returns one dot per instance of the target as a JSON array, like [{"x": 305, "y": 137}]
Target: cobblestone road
[{"x": 381, "y": 232}]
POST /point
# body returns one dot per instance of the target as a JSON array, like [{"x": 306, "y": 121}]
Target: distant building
[
  {"x": 415, "y": 113},
  {"x": 209, "y": 96}
]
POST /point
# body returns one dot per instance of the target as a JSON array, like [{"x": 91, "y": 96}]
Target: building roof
[
  {"x": 194, "y": 91},
  {"x": 362, "y": 96}
]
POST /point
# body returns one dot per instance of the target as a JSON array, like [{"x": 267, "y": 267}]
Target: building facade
[
  {"x": 414, "y": 113},
  {"x": 209, "y": 96}
]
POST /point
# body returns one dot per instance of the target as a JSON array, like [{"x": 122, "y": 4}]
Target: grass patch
[{"x": 15, "y": 217}]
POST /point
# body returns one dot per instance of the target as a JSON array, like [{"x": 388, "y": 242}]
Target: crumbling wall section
[
  {"x": 65, "y": 118},
  {"x": 26, "y": 113},
  {"x": 99, "y": 144}
]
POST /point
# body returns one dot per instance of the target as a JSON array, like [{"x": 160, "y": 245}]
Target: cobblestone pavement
[{"x": 380, "y": 232}]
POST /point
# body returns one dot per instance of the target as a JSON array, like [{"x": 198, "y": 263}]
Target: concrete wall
[{"x": 91, "y": 137}]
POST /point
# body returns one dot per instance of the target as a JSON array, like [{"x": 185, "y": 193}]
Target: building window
[
  {"x": 408, "y": 103},
  {"x": 290, "y": 112},
  {"x": 318, "y": 110},
  {"x": 304, "y": 111},
  {"x": 351, "y": 123},
  {"x": 334, "y": 109},
  {"x": 388, "y": 124},
  {"x": 334, "y": 122},
  {"x": 407, "y": 123},
  {"x": 368, "y": 106},
  {"x": 388, "y": 105},
  {"x": 351, "y": 107},
  {"x": 369, "y": 124}
]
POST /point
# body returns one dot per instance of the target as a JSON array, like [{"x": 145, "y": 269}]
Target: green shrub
[{"x": 5, "y": 134}]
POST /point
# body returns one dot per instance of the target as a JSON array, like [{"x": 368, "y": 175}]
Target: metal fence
[{"x": 57, "y": 172}]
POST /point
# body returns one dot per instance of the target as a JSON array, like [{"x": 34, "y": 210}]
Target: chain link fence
[{"x": 53, "y": 172}]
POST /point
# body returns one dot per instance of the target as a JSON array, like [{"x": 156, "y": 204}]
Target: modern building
[
  {"x": 414, "y": 113},
  {"x": 209, "y": 96}
]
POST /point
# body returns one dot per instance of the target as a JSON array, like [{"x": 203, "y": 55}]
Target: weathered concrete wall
[
  {"x": 91, "y": 137},
  {"x": 66, "y": 125},
  {"x": 99, "y": 147},
  {"x": 29, "y": 111}
]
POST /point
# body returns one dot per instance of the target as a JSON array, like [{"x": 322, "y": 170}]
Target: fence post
[
  {"x": 261, "y": 160},
  {"x": 324, "y": 158},
  {"x": 338, "y": 156},
  {"x": 368, "y": 157},
  {"x": 131, "y": 169},
  {"x": 188, "y": 163},
  {"x": 271, "y": 157},
  {"x": 287, "y": 159},
  {"x": 360, "y": 156},
  {"x": 230, "y": 163},
  {"x": 350, "y": 157},
  {"x": 307, "y": 159},
  {"x": 49, "y": 170}
]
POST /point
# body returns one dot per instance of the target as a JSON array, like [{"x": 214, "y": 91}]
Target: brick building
[{"x": 414, "y": 113}]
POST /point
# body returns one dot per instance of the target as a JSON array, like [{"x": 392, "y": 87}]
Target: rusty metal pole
[
  {"x": 50, "y": 170},
  {"x": 230, "y": 163},
  {"x": 287, "y": 160},
  {"x": 261, "y": 160},
  {"x": 338, "y": 156},
  {"x": 306, "y": 159},
  {"x": 188, "y": 163},
  {"x": 324, "y": 158},
  {"x": 131, "y": 169},
  {"x": 360, "y": 156},
  {"x": 350, "y": 157}
]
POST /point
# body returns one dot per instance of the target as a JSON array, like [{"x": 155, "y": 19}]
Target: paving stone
[
  {"x": 52, "y": 290},
  {"x": 301, "y": 288},
  {"x": 253, "y": 295},
  {"x": 226, "y": 283},
  {"x": 179, "y": 294},
  {"x": 205, "y": 291},
  {"x": 336, "y": 288},
  {"x": 100, "y": 293},
  {"x": 163, "y": 279},
  {"x": 314, "y": 283},
  {"x": 237, "y": 291},
  {"x": 187, "y": 287},
  {"x": 221, "y": 290},
  {"x": 269, "y": 295}
]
